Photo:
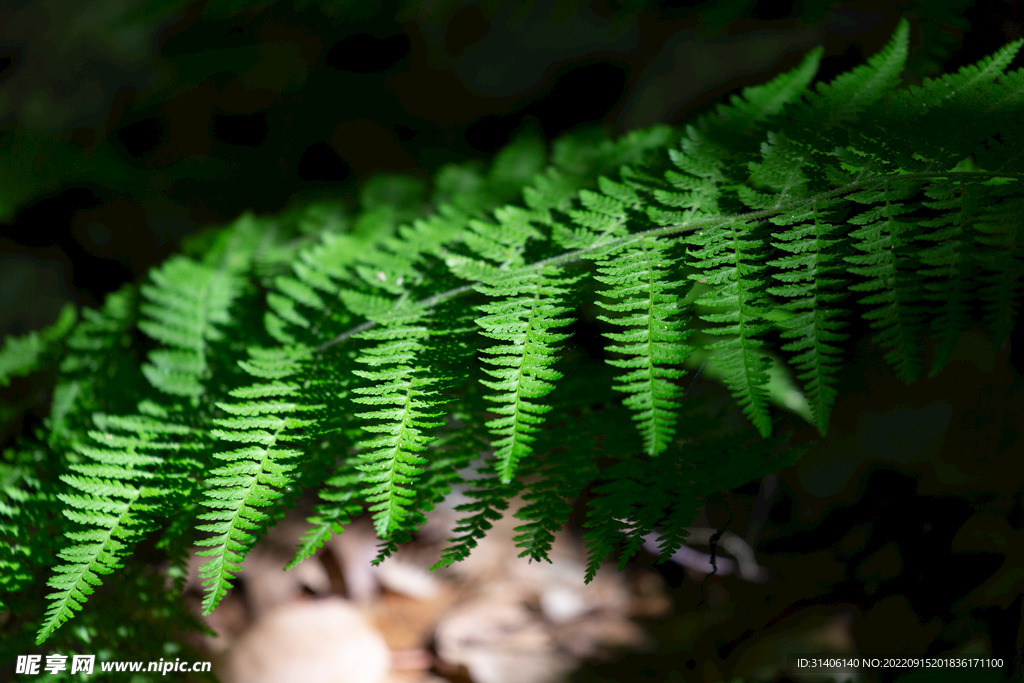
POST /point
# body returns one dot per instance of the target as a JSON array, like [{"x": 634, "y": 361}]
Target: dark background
[{"x": 126, "y": 126}]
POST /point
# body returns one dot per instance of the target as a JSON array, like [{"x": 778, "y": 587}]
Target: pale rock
[
  {"x": 498, "y": 640},
  {"x": 268, "y": 585},
  {"x": 406, "y": 578},
  {"x": 321, "y": 641},
  {"x": 561, "y": 604}
]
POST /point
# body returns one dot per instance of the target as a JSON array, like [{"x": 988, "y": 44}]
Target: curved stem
[{"x": 676, "y": 228}]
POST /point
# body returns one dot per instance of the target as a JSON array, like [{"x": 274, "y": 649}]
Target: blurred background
[{"x": 128, "y": 125}]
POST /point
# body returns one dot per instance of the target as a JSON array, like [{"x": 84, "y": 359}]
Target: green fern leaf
[
  {"x": 1002, "y": 258},
  {"x": 811, "y": 275},
  {"x": 653, "y": 337},
  {"x": 253, "y": 476},
  {"x": 949, "y": 270},
  {"x": 854, "y": 91},
  {"x": 729, "y": 259},
  {"x": 633, "y": 497},
  {"x": 528, "y": 309},
  {"x": 341, "y": 506},
  {"x": 732, "y": 242},
  {"x": 392, "y": 463},
  {"x": 488, "y": 501},
  {"x": 119, "y": 493},
  {"x": 187, "y": 302},
  {"x": 22, "y": 355},
  {"x": 888, "y": 243},
  {"x": 549, "y": 499}
]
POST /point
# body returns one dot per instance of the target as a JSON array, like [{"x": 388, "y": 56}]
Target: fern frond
[
  {"x": 730, "y": 259},
  {"x": 463, "y": 194},
  {"x": 341, "y": 504},
  {"x": 640, "y": 286},
  {"x": 392, "y": 269},
  {"x": 972, "y": 88},
  {"x": 24, "y": 508},
  {"x": 442, "y": 320},
  {"x": 187, "y": 302},
  {"x": 889, "y": 263},
  {"x": 392, "y": 463},
  {"x": 96, "y": 360},
  {"x": 696, "y": 184},
  {"x": 633, "y": 497},
  {"x": 717, "y": 145},
  {"x": 22, "y": 355},
  {"x": 253, "y": 476},
  {"x": 1001, "y": 241},
  {"x": 115, "y": 497},
  {"x": 489, "y": 498},
  {"x": 548, "y": 501},
  {"x": 93, "y": 351},
  {"x": 949, "y": 270},
  {"x": 852, "y": 92},
  {"x": 529, "y": 307},
  {"x": 759, "y": 103},
  {"x": 811, "y": 275}
]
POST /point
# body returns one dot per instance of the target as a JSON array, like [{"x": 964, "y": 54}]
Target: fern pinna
[{"x": 422, "y": 344}]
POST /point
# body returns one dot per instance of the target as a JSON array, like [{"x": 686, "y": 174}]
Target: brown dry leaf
[{"x": 408, "y": 623}]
